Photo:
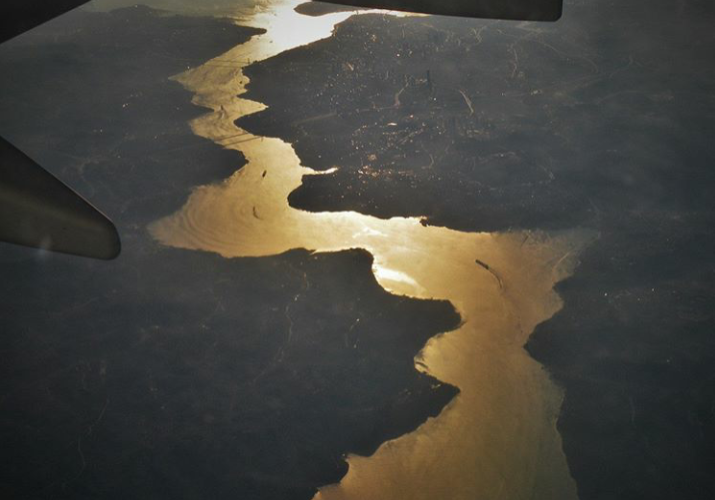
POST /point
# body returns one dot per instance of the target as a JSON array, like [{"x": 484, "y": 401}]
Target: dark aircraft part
[
  {"x": 520, "y": 10},
  {"x": 39, "y": 211},
  {"x": 18, "y": 16},
  {"x": 36, "y": 209}
]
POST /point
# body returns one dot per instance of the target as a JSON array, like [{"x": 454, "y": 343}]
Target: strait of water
[{"x": 497, "y": 439}]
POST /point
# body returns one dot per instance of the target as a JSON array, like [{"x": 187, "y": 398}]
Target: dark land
[
  {"x": 171, "y": 373},
  {"x": 603, "y": 120}
]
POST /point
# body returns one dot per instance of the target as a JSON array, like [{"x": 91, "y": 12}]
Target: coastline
[
  {"x": 539, "y": 149},
  {"x": 249, "y": 215},
  {"x": 100, "y": 344},
  {"x": 157, "y": 374}
]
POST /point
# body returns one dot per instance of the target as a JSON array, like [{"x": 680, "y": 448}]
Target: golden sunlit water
[{"x": 497, "y": 439}]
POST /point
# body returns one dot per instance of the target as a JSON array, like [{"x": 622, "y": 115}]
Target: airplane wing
[
  {"x": 524, "y": 10},
  {"x": 36, "y": 209},
  {"x": 19, "y": 16}
]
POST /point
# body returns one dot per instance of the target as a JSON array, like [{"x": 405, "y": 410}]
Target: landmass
[
  {"x": 171, "y": 373},
  {"x": 596, "y": 121},
  {"x": 88, "y": 96}
]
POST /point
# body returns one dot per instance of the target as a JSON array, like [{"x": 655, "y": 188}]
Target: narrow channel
[{"x": 497, "y": 439}]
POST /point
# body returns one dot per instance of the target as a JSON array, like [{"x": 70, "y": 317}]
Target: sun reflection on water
[{"x": 498, "y": 438}]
